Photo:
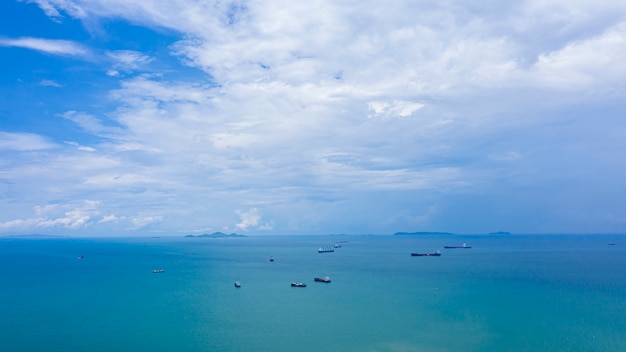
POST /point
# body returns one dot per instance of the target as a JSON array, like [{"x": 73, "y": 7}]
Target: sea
[{"x": 505, "y": 293}]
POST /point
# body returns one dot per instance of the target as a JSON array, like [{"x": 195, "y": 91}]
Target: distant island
[
  {"x": 421, "y": 233},
  {"x": 500, "y": 233},
  {"x": 217, "y": 235}
]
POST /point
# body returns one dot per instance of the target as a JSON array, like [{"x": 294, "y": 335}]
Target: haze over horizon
[{"x": 183, "y": 117}]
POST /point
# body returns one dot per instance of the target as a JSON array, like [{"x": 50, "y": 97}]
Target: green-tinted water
[{"x": 507, "y": 293}]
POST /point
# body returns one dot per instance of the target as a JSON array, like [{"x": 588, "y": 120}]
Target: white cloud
[
  {"x": 93, "y": 125},
  {"x": 591, "y": 62},
  {"x": 74, "y": 219},
  {"x": 81, "y": 147},
  {"x": 50, "y": 46},
  {"x": 141, "y": 222},
  {"x": 74, "y": 216},
  {"x": 248, "y": 219},
  {"x": 51, "y": 8},
  {"x": 317, "y": 105},
  {"x": 19, "y": 224},
  {"x": 48, "y": 9},
  {"x": 251, "y": 220},
  {"x": 23, "y": 142},
  {"x": 127, "y": 60},
  {"x": 109, "y": 218},
  {"x": 50, "y": 83},
  {"x": 59, "y": 215},
  {"x": 396, "y": 108}
]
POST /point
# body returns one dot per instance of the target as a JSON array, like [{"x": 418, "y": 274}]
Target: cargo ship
[
  {"x": 436, "y": 254},
  {"x": 322, "y": 279},
  {"x": 461, "y": 246}
]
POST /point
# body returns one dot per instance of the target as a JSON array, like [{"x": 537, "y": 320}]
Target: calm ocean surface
[{"x": 507, "y": 293}]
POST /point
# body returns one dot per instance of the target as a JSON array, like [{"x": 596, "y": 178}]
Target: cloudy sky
[{"x": 173, "y": 117}]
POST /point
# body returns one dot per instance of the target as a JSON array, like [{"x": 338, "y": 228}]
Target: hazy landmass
[
  {"x": 217, "y": 235},
  {"x": 500, "y": 233},
  {"x": 421, "y": 233}
]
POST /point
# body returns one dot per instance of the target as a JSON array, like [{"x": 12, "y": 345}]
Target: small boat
[
  {"x": 158, "y": 271},
  {"x": 325, "y": 250},
  {"x": 237, "y": 284},
  {"x": 611, "y": 244},
  {"x": 436, "y": 254},
  {"x": 462, "y": 246},
  {"x": 322, "y": 279},
  {"x": 298, "y": 284},
  {"x": 80, "y": 257},
  {"x": 271, "y": 259},
  {"x": 337, "y": 245}
]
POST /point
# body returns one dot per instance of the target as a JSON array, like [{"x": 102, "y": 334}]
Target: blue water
[{"x": 507, "y": 293}]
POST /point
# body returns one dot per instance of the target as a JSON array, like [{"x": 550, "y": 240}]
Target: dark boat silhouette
[
  {"x": 436, "y": 254},
  {"x": 461, "y": 246},
  {"x": 322, "y": 279}
]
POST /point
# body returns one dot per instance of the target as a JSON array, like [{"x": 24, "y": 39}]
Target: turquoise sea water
[{"x": 507, "y": 293}]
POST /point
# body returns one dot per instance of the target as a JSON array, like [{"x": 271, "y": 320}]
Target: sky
[{"x": 175, "y": 117}]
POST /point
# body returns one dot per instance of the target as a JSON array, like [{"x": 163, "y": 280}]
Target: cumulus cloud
[
  {"x": 19, "y": 224},
  {"x": 251, "y": 220},
  {"x": 74, "y": 216},
  {"x": 396, "y": 108},
  {"x": 311, "y": 105},
  {"x": 73, "y": 219},
  {"x": 586, "y": 63},
  {"x": 109, "y": 218},
  {"x": 59, "y": 215},
  {"x": 143, "y": 221}
]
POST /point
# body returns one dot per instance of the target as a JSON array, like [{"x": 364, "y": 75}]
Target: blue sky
[{"x": 124, "y": 118}]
